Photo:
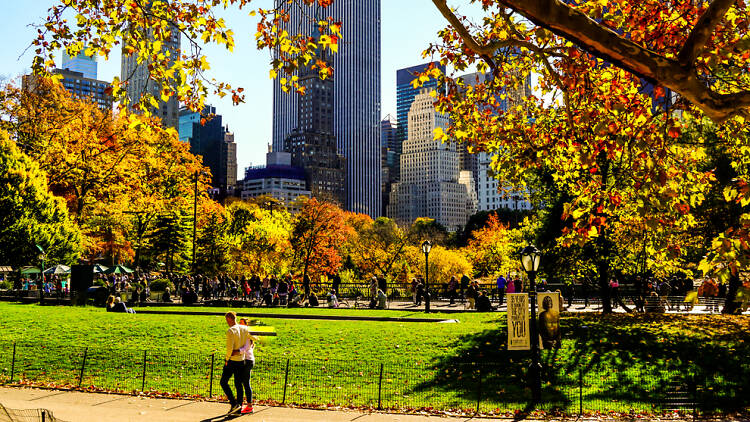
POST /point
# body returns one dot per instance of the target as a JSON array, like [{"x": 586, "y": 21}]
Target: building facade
[
  {"x": 312, "y": 143},
  {"x": 429, "y": 185},
  {"x": 214, "y": 143},
  {"x": 466, "y": 178},
  {"x": 356, "y": 96},
  {"x": 79, "y": 86},
  {"x": 136, "y": 75},
  {"x": 389, "y": 161},
  {"x": 89, "y": 89},
  {"x": 80, "y": 63},
  {"x": 228, "y": 161},
  {"x": 491, "y": 195},
  {"x": 277, "y": 179},
  {"x": 405, "y": 93}
]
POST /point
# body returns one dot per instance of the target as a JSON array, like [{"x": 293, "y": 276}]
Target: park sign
[{"x": 518, "y": 321}]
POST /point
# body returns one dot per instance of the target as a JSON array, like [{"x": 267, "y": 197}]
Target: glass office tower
[{"x": 80, "y": 63}]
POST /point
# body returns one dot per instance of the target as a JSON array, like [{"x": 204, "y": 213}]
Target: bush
[
  {"x": 135, "y": 286},
  {"x": 161, "y": 284},
  {"x": 101, "y": 282},
  {"x": 6, "y": 285}
]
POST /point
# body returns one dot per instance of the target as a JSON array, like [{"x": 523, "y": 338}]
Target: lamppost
[
  {"x": 426, "y": 246},
  {"x": 530, "y": 257},
  {"x": 198, "y": 173},
  {"x": 42, "y": 257}
]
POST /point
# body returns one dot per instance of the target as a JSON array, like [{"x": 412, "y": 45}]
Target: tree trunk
[
  {"x": 604, "y": 292},
  {"x": 730, "y": 305}
]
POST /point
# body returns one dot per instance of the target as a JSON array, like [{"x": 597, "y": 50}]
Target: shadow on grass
[{"x": 643, "y": 363}]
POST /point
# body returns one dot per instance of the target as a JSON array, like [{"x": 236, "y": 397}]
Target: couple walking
[{"x": 238, "y": 363}]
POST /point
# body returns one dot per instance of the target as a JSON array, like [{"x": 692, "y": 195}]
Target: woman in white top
[{"x": 248, "y": 352}]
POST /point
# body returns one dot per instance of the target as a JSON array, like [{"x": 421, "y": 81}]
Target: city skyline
[{"x": 252, "y": 121}]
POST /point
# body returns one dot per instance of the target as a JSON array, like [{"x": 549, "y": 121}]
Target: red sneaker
[{"x": 247, "y": 409}]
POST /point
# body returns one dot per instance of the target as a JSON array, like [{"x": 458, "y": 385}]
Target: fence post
[
  {"x": 83, "y": 366},
  {"x": 13, "y": 363},
  {"x": 580, "y": 391},
  {"x": 380, "y": 387},
  {"x": 143, "y": 376},
  {"x": 694, "y": 387},
  {"x": 479, "y": 389},
  {"x": 211, "y": 377},
  {"x": 286, "y": 378}
]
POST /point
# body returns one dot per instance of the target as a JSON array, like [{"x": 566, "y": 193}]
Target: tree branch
[
  {"x": 483, "y": 51},
  {"x": 702, "y": 31},
  {"x": 600, "y": 41}
]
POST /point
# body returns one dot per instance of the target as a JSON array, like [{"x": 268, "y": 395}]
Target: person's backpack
[{"x": 313, "y": 300}]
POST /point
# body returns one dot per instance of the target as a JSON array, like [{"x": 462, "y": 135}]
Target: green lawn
[{"x": 625, "y": 361}]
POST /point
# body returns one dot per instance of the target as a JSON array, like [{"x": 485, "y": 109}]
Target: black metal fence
[{"x": 486, "y": 387}]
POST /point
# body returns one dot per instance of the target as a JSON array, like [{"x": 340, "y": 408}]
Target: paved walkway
[{"x": 74, "y": 406}]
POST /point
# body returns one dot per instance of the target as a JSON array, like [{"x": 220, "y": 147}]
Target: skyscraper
[
  {"x": 405, "y": 93},
  {"x": 80, "y": 63},
  {"x": 214, "y": 143},
  {"x": 138, "y": 82},
  {"x": 312, "y": 144},
  {"x": 228, "y": 161},
  {"x": 429, "y": 185},
  {"x": 389, "y": 158},
  {"x": 356, "y": 95}
]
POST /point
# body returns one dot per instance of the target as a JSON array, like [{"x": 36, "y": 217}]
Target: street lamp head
[
  {"x": 42, "y": 256},
  {"x": 426, "y": 246},
  {"x": 530, "y": 257}
]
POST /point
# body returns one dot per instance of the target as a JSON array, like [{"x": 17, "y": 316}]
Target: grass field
[{"x": 624, "y": 361}]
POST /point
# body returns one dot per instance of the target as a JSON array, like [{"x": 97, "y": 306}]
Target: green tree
[
  {"x": 429, "y": 229},
  {"x": 170, "y": 240},
  {"x": 30, "y": 214},
  {"x": 213, "y": 242},
  {"x": 260, "y": 237},
  {"x": 377, "y": 246}
]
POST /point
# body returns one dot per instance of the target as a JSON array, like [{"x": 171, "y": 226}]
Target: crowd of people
[
  {"x": 51, "y": 285},
  {"x": 641, "y": 292}
]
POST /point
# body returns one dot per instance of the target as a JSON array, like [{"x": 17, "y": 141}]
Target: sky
[{"x": 407, "y": 28}]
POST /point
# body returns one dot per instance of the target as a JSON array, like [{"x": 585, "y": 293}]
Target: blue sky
[{"x": 407, "y": 27}]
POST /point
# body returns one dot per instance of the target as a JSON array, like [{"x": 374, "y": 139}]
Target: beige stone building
[{"x": 429, "y": 184}]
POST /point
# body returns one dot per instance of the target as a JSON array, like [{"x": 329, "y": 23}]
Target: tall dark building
[
  {"x": 389, "y": 158},
  {"x": 313, "y": 144},
  {"x": 214, "y": 143},
  {"x": 356, "y": 94}
]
